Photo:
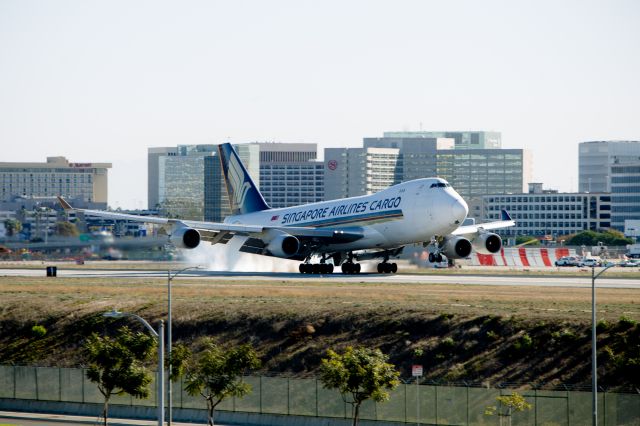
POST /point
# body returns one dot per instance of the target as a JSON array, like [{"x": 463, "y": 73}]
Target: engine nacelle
[
  {"x": 456, "y": 248},
  {"x": 185, "y": 237},
  {"x": 487, "y": 243},
  {"x": 283, "y": 245}
]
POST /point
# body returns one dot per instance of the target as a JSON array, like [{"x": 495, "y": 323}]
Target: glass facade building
[
  {"x": 596, "y": 158},
  {"x": 462, "y": 140},
  {"x": 625, "y": 193}
]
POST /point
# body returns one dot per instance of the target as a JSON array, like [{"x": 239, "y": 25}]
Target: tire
[
  {"x": 316, "y": 268},
  {"x": 394, "y": 268},
  {"x": 345, "y": 268},
  {"x": 380, "y": 268},
  {"x": 357, "y": 268},
  {"x": 432, "y": 258},
  {"x": 330, "y": 269},
  {"x": 301, "y": 268}
]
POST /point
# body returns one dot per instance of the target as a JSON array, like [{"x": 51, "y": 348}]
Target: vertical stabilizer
[{"x": 244, "y": 195}]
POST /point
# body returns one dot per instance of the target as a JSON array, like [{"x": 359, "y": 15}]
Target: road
[{"x": 496, "y": 279}]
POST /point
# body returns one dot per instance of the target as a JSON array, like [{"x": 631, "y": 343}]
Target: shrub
[
  {"x": 626, "y": 322},
  {"x": 524, "y": 343},
  {"x": 492, "y": 335},
  {"x": 603, "y": 325},
  {"x": 447, "y": 343},
  {"x": 38, "y": 331}
]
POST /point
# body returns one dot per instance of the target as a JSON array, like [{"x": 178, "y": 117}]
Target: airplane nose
[{"x": 459, "y": 210}]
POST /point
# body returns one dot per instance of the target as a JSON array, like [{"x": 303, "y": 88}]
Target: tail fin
[{"x": 244, "y": 195}]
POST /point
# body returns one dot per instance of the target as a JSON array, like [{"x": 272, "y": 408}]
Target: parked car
[
  {"x": 569, "y": 261},
  {"x": 631, "y": 263},
  {"x": 590, "y": 262}
]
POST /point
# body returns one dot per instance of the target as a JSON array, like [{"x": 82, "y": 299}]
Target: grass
[{"x": 465, "y": 332}]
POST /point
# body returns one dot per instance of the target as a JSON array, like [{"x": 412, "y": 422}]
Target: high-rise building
[
  {"x": 216, "y": 197},
  {"x": 462, "y": 140},
  {"x": 350, "y": 172},
  {"x": 625, "y": 193},
  {"x": 153, "y": 173},
  {"x": 548, "y": 212},
  {"x": 418, "y": 155},
  {"x": 86, "y": 182},
  {"x": 596, "y": 158},
  {"x": 290, "y": 173},
  {"x": 472, "y": 172}
]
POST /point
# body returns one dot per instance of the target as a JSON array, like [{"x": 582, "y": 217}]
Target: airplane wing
[
  {"x": 504, "y": 222},
  {"x": 215, "y": 232}
]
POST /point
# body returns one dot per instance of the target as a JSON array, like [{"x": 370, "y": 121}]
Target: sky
[{"x": 102, "y": 81}]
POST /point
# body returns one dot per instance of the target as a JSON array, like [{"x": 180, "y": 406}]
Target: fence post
[
  {"x": 288, "y": 396},
  {"x": 59, "y": 384},
  {"x": 14, "y": 382},
  {"x": 35, "y": 376},
  {"x": 82, "y": 383},
  {"x": 316, "y": 379},
  {"x": 568, "y": 408},
  {"x": 467, "y": 384},
  {"x": 436, "y": 388},
  {"x": 260, "y": 386}
]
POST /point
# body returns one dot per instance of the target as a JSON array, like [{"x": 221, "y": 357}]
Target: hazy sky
[{"x": 103, "y": 81}]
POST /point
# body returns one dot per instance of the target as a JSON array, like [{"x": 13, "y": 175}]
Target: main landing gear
[
  {"x": 387, "y": 268},
  {"x": 350, "y": 268},
  {"x": 435, "y": 258},
  {"x": 316, "y": 268}
]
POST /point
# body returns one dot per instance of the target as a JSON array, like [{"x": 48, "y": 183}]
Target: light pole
[
  {"x": 169, "y": 339},
  {"x": 594, "y": 359},
  {"x": 160, "y": 336}
]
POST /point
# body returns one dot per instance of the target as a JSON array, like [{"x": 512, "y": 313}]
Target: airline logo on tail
[
  {"x": 244, "y": 196},
  {"x": 239, "y": 187}
]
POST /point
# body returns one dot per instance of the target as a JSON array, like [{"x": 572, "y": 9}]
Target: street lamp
[
  {"x": 160, "y": 336},
  {"x": 169, "y": 337},
  {"x": 594, "y": 360}
]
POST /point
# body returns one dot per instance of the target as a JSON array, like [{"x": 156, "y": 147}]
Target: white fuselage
[{"x": 406, "y": 213}]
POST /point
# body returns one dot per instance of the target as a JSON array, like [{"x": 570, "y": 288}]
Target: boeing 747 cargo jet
[{"x": 339, "y": 232}]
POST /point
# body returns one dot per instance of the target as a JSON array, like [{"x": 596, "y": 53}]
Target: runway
[{"x": 463, "y": 279}]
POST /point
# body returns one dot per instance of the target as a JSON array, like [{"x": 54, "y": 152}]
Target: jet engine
[
  {"x": 283, "y": 245},
  {"x": 487, "y": 243},
  {"x": 185, "y": 237},
  {"x": 456, "y": 247}
]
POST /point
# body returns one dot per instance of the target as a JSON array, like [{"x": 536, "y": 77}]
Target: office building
[
  {"x": 351, "y": 172},
  {"x": 462, "y": 140},
  {"x": 596, "y": 158},
  {"x": 473, "y": 172},
  {"x": 290, "y": 173},
  {"x": 625, "y": 193},
  {"x": 549, "y": 213},
  {"x": 153, "y": 173},
  {"x": 81, "y": 181}
]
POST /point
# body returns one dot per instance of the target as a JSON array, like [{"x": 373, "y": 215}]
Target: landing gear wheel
[
  {"x": 438, "y": 258},
  {"x": 394, "y": 268},
  {"x": 432, "y": 258},
  {"x": 381, "y": 268},
  {"x": 356, "y": 269},
  {"x": 302, "y": 268},
  {"x": 345, "y": 268}
]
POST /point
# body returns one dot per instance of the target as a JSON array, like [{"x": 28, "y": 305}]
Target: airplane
[{"x": 339, "y": 232}]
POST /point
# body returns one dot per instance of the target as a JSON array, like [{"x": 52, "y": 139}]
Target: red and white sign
[
  {"x": 416, "y": 370},
  {"x": 333, "y": 164}
]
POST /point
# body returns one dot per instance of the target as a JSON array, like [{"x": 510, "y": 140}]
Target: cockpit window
[{"x": 439, "y": 185}]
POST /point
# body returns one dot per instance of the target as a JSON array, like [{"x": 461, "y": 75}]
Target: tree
[
  {"x": 216, "y": 373},
  {"x": 116, "y": 365},
  {"x": 13, "y": 227},
  {"x": 508, "y": 405},
  {"x": 359, "y": 374},
  {"x": 610, "y": 237},
  {"x": 66, "y": 229}
]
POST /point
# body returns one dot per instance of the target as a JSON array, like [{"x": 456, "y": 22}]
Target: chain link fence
[{"x": 434, "y": 404}]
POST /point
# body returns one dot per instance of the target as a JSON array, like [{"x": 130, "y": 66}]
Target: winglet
[
  {"x": 505, "y": 215},
  {"x": 64, "y": 203}
]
